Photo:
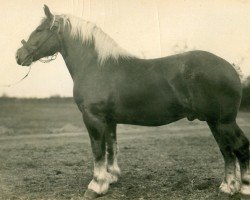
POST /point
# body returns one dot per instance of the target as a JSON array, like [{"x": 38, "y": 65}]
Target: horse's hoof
[
  {"x": 230, "y": 188},
  {"x": 245, "y": 190},
  {"x": 113, "y": 179},
  {"x": 90, "y": 194}
]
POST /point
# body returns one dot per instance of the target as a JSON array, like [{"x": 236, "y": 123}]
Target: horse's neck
[{"x": 77, "y": 56}]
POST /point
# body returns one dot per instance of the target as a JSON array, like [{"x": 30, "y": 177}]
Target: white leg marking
[
  {"x": 245, "y": 190},
  {"x": 113, "y": 167},
  {"x": 237, "y": 170},
  {"x": 232, "y": 182},
  {"x": 231, "y": 185},
  {"x": 114, "y": 171},
  {"x": 245, "y": 187}
]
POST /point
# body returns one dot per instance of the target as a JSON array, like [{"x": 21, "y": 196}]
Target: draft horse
[{"x": 114, "y": 87}]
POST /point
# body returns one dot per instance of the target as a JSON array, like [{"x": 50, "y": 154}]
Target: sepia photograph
[{"x": 124, "y": 100}]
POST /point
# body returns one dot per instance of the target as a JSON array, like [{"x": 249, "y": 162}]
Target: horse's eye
[
  {"x": 53, "y": 28},
  {"x": 38, "y": 30}
]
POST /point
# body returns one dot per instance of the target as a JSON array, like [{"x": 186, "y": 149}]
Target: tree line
[{"x": 245, "y": 102}]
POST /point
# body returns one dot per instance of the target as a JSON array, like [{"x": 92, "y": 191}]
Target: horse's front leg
[
  {"x": 97, "y": 128},
  {"x": 112, "y": 150}
]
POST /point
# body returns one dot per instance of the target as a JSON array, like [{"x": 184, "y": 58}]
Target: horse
[{"x": 114, "y": 87}]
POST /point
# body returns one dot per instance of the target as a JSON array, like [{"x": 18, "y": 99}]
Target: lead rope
[
  {"x": 53, "y": 57},
  {"x": 15, "y": 83}
]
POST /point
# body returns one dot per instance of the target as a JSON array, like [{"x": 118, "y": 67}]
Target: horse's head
[{"x": 44, "y": 41}]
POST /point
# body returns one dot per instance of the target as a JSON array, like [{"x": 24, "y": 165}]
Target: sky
[{"x": 145, "y": 28}]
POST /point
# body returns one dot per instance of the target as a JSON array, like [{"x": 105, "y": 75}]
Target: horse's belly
[
  {"x": 149, "y": 114},
  {"x": 141, "y": 121}
]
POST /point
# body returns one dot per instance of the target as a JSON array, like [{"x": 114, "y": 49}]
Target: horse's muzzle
[{"x": 23, "y": 57}]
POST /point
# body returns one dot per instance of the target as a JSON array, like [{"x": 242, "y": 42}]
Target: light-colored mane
[{"x": 88, "y": 32}]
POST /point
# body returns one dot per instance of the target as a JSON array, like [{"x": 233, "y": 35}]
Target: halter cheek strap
[
  {"x": 55, "y": 24},
  {"x": 53, "y": 21}
]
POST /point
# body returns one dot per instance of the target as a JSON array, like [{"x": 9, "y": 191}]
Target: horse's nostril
[{"x": 17, "y": 59}]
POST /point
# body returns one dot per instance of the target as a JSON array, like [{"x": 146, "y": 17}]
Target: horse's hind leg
[
  {"x": 226, "y": 137},
  {"x": 241, "y": 150},
  {"x": 112, "y": 150}
]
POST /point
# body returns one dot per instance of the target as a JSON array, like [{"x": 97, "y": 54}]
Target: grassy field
[{"x": 45, "y": 154}]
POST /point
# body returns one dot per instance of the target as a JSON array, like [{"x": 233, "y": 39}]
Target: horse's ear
[{"x": 47, "y": 12}]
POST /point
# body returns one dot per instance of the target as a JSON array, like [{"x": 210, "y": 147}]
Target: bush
[{"x": 245, "y": 102}]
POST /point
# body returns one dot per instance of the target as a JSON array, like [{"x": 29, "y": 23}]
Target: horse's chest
[{"x": 94, "y": 97}]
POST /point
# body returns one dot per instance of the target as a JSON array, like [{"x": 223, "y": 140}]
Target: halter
[{"x": 34, "y": 50}]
